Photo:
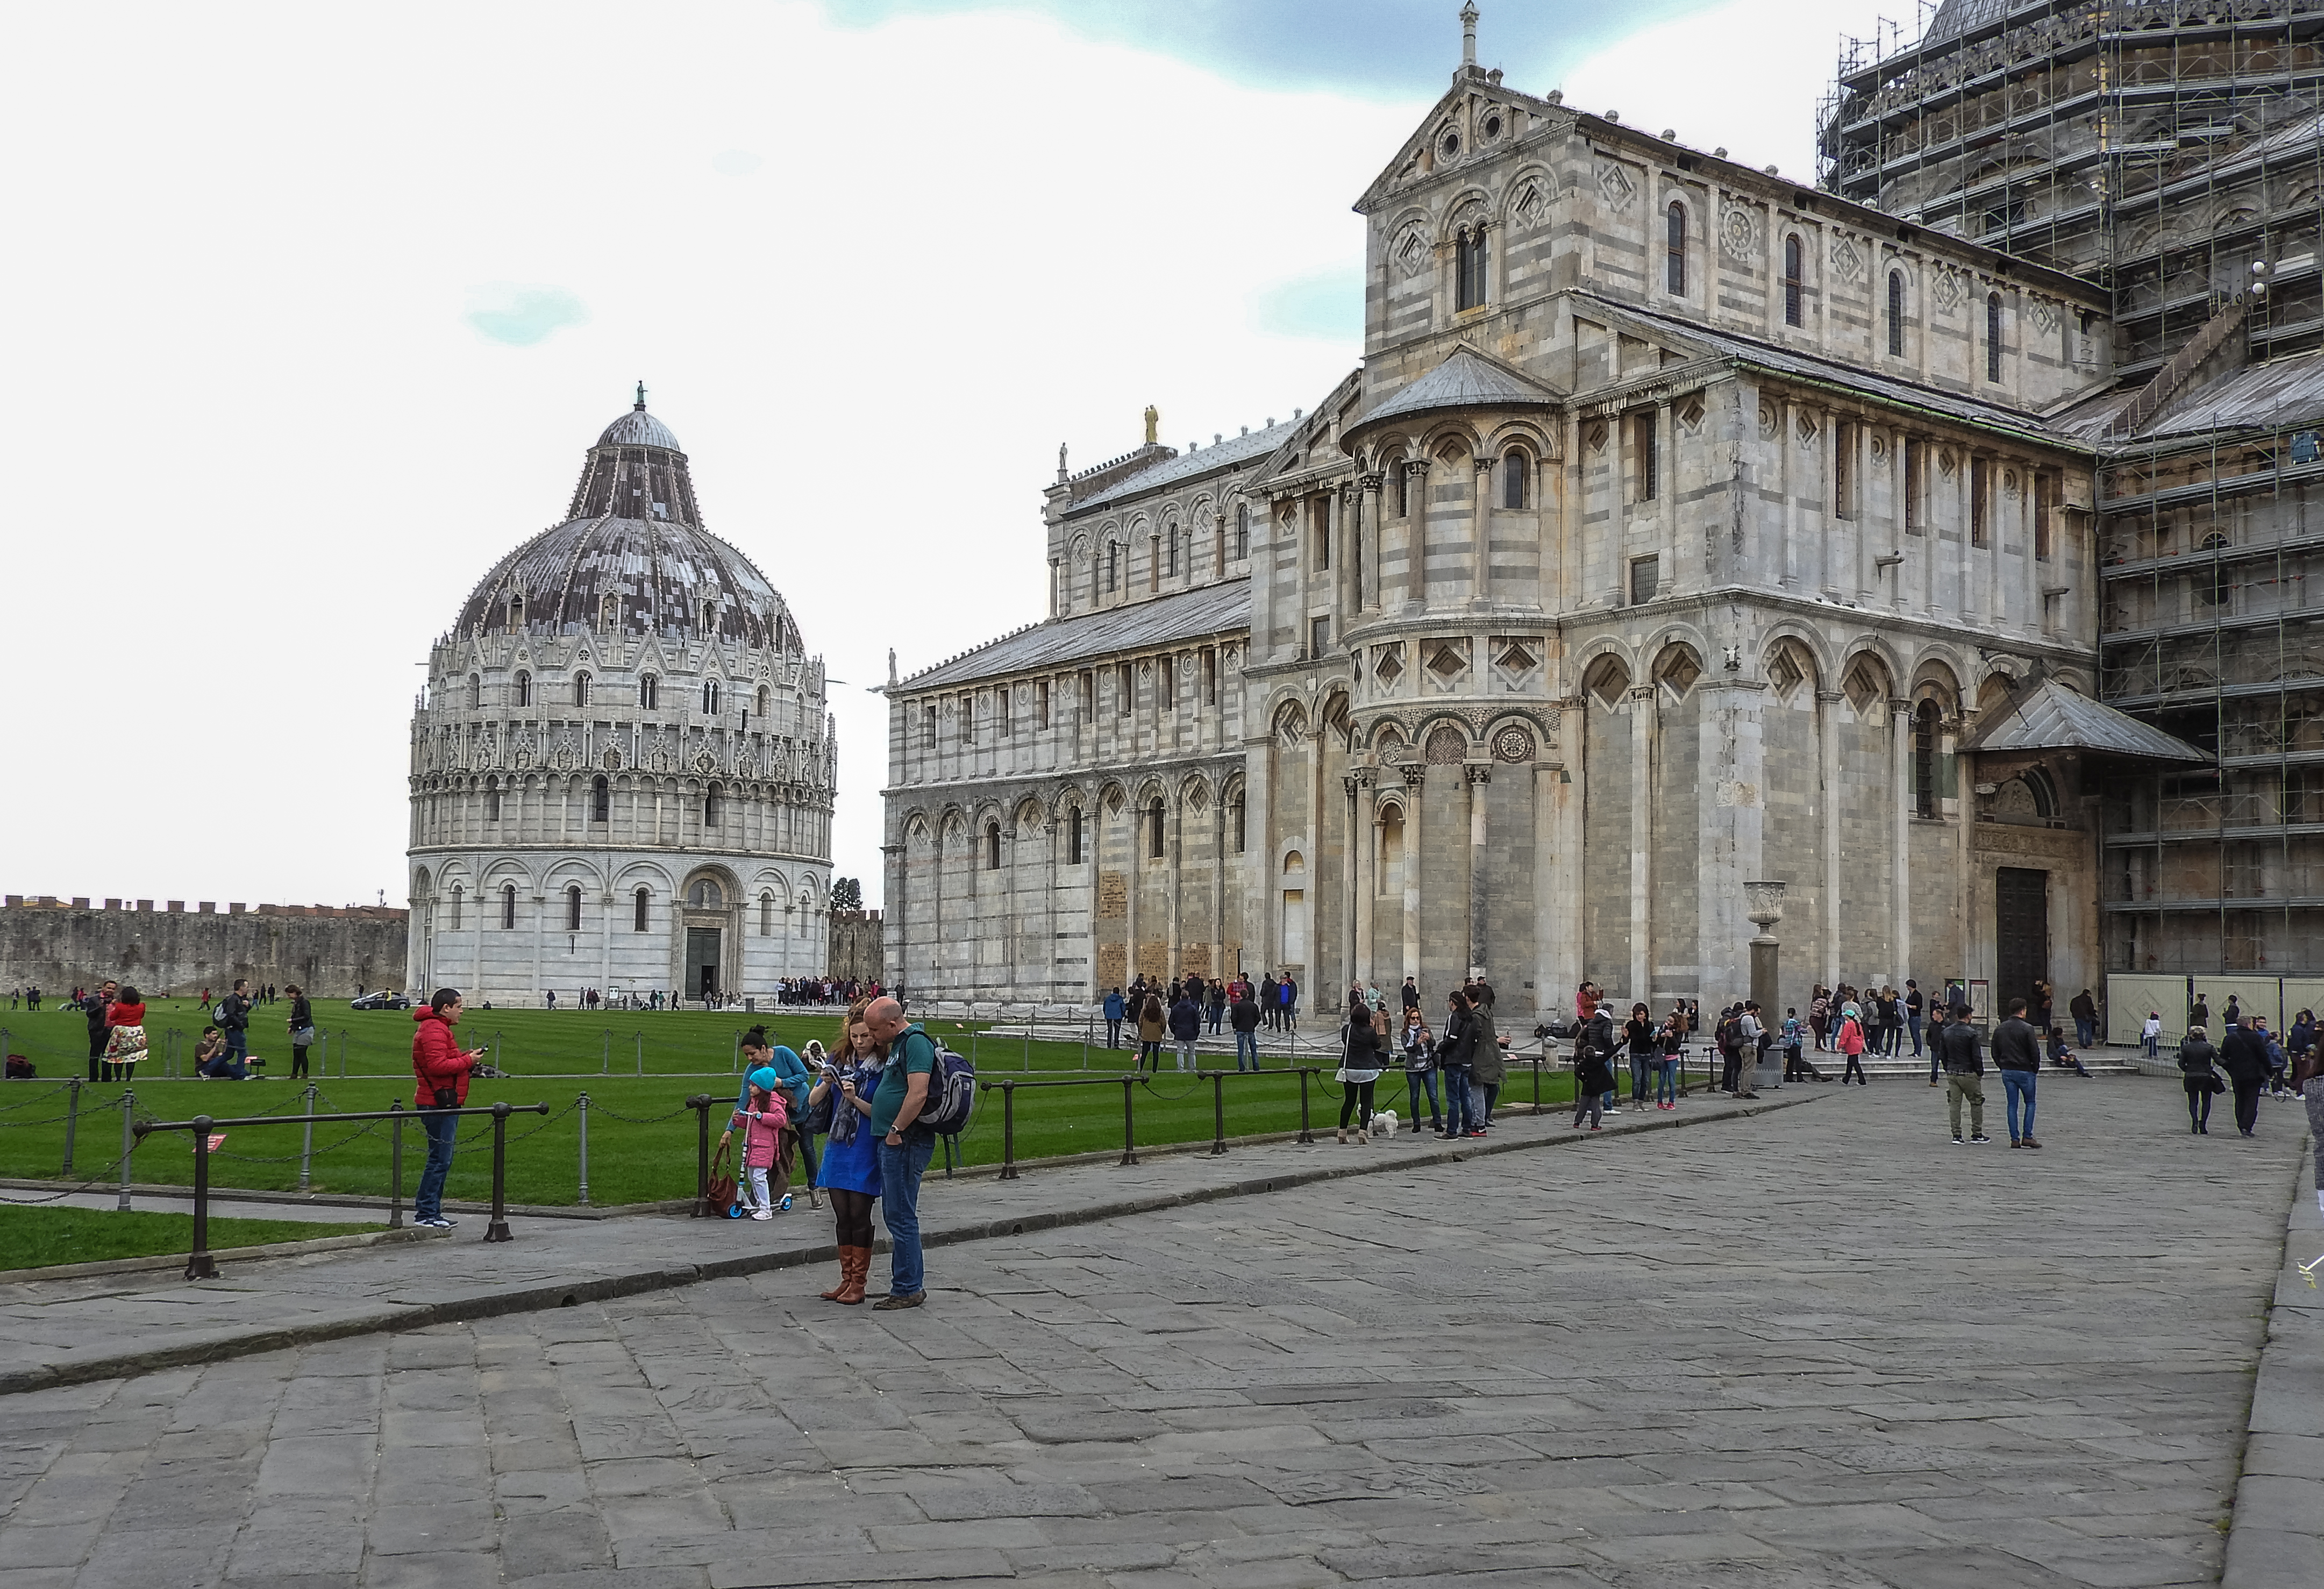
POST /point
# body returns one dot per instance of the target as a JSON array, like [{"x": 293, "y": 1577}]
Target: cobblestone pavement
[{"x": 1819, "y": 1349}]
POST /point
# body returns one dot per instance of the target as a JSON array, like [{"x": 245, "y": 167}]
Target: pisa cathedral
[
  {"x": 622, "y": 770},
  {"x": 1692, "y": 547}
]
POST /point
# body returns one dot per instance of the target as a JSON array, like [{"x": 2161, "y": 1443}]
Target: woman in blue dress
[{"x": 850, "y": 1163}]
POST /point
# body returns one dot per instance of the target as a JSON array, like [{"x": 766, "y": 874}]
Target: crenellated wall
[{"x": 332, "y": 953}]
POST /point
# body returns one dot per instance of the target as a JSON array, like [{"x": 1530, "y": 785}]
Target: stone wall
[
  {"x": 330, "y": 952},
  {"x": 856, "y": 946}
]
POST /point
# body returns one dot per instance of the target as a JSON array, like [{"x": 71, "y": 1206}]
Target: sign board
[{"x": 218, "y": 1140}]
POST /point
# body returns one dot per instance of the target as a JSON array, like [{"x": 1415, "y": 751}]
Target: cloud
[
  {"x": 519, "y": 316},
  {"x": 1328, "y": 306},
  {"x": 737, "y": 162}
]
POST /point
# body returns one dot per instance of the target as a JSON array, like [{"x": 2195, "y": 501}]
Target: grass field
[
  {"x": 642, "y": 1137},
  {"x": 35, "y": 1238}
]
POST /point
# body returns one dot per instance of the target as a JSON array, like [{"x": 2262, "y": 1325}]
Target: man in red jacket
[{"x": 441, "y": 1070}]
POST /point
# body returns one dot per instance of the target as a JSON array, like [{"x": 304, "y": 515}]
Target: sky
[{"x": 309, "y": 313}]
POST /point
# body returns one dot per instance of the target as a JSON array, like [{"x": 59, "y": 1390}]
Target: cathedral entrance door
[
  {"x": 2021, "y": 937},
  {"x": 701, "y": 962}
]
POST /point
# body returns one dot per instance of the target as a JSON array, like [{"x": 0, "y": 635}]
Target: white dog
[{"x": 1384, "y": 1123}]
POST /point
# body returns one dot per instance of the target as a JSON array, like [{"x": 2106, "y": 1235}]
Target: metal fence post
[
  {"x": 199, "y": 1267},
  {"x": 1009, "y": 1130},
  {"x": 498, "y": 1229},
  {"x": 1029, "y": 1039},
  {"x": 1537, "y": 1077},
  {"x": 642, "y": 1051},
  {"x": 700, "y": 1105},
  {"x": 606, "y": 1066},
  {"x": 343, "y": 1053},
  {"x": 395, "y": 1168},
  {"x": 128, "y": 1142},
  {"x": 1307, "y": 1134},
  {"x": 1219, "y": 1112},
  {"x": 1129, "y": 1123},
  {"x": 307, "y": 1140},
  {"x": 72, "y": 1119},
  {"x": 584, "y": 1106}
]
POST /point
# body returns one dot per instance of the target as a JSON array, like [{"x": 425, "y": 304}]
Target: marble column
[
  {"x": 1266, "y": 525},
  {"x": 1899, "y": 872},
  {"x": 1258, "y": 849},
  {"x": 1372, "y": 541},
  {"x": 1352, "y": 870},
  {"x": 1788, "y": 477},
  {"x": 1667, "y": 501},
  {"x": 1048, "y": 977},
  {"x": 1415, "y": 534},
  {"x": 1363, "y": 838},
  {"x": 1135, "y": 874},
  {"x": 1827, "y": 510},
  {"x": 1416, "y": 784},
  {"x": 1479, "y": 774},
  {"x": 1481, "y": 529},
  {"x": 1346, "y": 586},
  {"x": 1729, "y": 815},
  {"x": 1828, "y": 802},
  {"x": 1094, "y": 857},
  {"x": 1644, "y": 729},
  {"x": 1549, "y": 880},
  {"x": 1173, "y": 851}
]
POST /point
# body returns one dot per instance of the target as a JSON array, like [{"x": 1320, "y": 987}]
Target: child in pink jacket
[{"x": 763, "y": 1123}]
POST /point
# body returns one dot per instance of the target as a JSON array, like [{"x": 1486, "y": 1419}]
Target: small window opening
[
  {"x": 1648, "y": 451},
  {"x": 1993, "y": 337},
  {"x": 601, "y": 800},
  {"x": 637, "y": 920},
  {"x": 1980, "y": 487},
  {"x": 711, "y": 803},
  {"x": 1470, "y": 267},
  {"x": 649, "y": 692},
  {"x": 710, "y": 698},
  {"x": 1112, "y": 567},
  {"x": 475, "y": 691},
  {"x": 1242, "y": 531},
  {"x": 1513, "y": 480},
  {"x": 1074, "y": 836},
  {"x": 1794, "y": 282},
  {"x": 1125, "y": 690},
  {"x": 580, "y": 690},
  {"x": 508, "y": 907},
  {"x": 524, "y": 689},
  {"x": 1154, "y": 829},
  {"x": 1675, "y": 248},
  {"x": 493, "y": 800},
  {"x": 1041, "y": 704},
  {"x": 993, "y": 846},
  {"x": 1896, "y": 314},
  {"x": 1924, "y": 759},
  {"x": 1645, "y": 579},
  {"x": 573, "y": 908}
]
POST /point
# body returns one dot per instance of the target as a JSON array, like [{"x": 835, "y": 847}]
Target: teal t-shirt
[{"x": 917, "y": 1051}]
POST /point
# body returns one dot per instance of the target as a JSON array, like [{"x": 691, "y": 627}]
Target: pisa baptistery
[{"x": 622, "y": 770}]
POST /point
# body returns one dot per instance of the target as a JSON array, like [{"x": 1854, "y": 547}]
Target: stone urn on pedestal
[{"x": 1767, "y": 900}]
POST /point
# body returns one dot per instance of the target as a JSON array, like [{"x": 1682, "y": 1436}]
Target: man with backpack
[
  {"x": 1113, "y": 1014},
  {"x": 905, "y": 1145},
  {"x": 233, "y": 1019}
]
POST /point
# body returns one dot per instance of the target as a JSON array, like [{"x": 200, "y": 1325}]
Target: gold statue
[{"x": 1153, "y": 424}]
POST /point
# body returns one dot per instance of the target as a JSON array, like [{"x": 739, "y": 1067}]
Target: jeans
[
  {"x": 1972, "y": 1088},
  {"x": 1218, "y": 1013},
  {"x": 2153, "y": 1048},
  {"x": 1913, "y": 1022},
  {"x": 2083, "y": 1037},
  {"x": 1246, "y": 1047},
  {"x": 1185, "y": 1053},
  {"x": 1113, "y": 1032},
  {"x": 1666, "y": 1079},
  {"x": 1492, "y": 1091},
  {"x": 1460, "y": 1115},
  {"x": 1413, "y": 1081},
  {"x": 1640, "y": 1063},
  {"x": 237, "y": 1041},
  {"x": 1149, "y": 1054},
  {"x": 226, "y": 1067},
  {"x": 2015, "y": 1083},
  {"x": 900, "y": 1205},
  {"x": 443, "y": 1132}
]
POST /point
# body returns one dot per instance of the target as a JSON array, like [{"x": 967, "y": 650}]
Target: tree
[{"x": 846, "y": 894}]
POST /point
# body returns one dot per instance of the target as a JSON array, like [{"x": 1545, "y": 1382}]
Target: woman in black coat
[{"x": 2195, "y": 1072}]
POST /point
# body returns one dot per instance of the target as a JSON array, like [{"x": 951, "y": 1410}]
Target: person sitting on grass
[{"x": 213, "y": 1062}]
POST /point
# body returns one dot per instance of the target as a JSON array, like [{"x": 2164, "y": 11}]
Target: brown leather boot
[
  {"x": 858, "y": 1267},
  {"x": 845, "y": 1259}
]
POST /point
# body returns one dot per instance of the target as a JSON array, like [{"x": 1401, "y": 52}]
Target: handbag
[
  {"x": 2214, "y": 1085},
  {"x": 720, "y": 1194}
]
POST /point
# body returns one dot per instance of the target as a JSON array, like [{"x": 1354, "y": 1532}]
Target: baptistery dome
[{"x": 622, "y": 770}]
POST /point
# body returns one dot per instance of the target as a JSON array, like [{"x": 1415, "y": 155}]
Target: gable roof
[
  {"x": 2049, "y": 716},
  {"x": 1466, "y": 81},
  {"x": 1187, "y": 615},
  {"x": 1189, "y": 465},
  {"x": 1466, "y": 378}
]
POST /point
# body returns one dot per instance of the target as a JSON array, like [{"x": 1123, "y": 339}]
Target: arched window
[
  {"x": 601, "y": 800},
  {"x": 455, "y": 907},
  {"x": 993, "y": 846},
  {"x": 1675, "y": 248},
  {"x": 1924, "y": 759},
  {"x": 1112, "y": 567},
  {"x": 508, "y": 907},
  {"x": 573, "y": 908},
  {"x": 637, "y": 920},
  {"x": 1896, "y": 314},
  {"x": 1154, "y": 832},
  {"x": 1470, "y": 268},
  {"x": 492, "y": 799},
  {"x": 710, "y": 697},
  {"x": 1794, "y": 282},
  {"x": 515, "y": 614},
  {"x": 1074, "y": 836},
  {"x": 1173, "y": 569},
  {"x": 710, "y": 804},
  {"x": 766, "y": 703},
  {"x": 523, "y": 689},
  {"x": 1514, "y": 468},
  {"x": 766, "y": 915},
  {"x": 580, "y": 690},
  {"x": 649, "y": 692},
  {"x": 475, "y": 691},
  {"x": 1993, "y": 335},
  {"x": 1242, "y": 531}
]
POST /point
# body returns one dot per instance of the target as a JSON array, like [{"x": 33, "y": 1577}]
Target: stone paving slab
[
  {"x": 2278, "y": 1538},
  {"x": 1821, "y": 1349},
  {"x": 69, "y": 1331}
]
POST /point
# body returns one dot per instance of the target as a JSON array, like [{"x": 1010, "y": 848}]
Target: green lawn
[
  {"x": 35, "y": 1238},
  {"x": 642, "y": 1138}
]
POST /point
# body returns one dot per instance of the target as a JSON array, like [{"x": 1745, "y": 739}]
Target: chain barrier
[
  {"x": 104, "y": 1175},
  {"x": 27, "y": 1104},
  {"x": 597, "y": 1106}
]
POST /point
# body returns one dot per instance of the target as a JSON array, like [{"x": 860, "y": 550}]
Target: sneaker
[
  {"x": 765, "y": 1212},
  {"x": 1595, "y": 1126},
  {"x": 1957, "y": 1142},
  {"x": 1980, "y": 1137},
  {"x": 434, "y": 1224}
]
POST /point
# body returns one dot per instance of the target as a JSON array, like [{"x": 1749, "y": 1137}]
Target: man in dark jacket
[
  {"x": 1956, "y": 1049},
  {"x": 234, "y": 1019},
  {"x": 1113, "y": 1014},
  {"x": 2086, "y": 1018},
  {"x": 1186, "y": 1026},
  {"x": 99, "y": 1007},
  {"x": 2244, "y": 1057},
  {"x": 1271, "y": 1000},
  {"x": 1244, "y": 1018},
  {"x": 2017, "y": 1055}
]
